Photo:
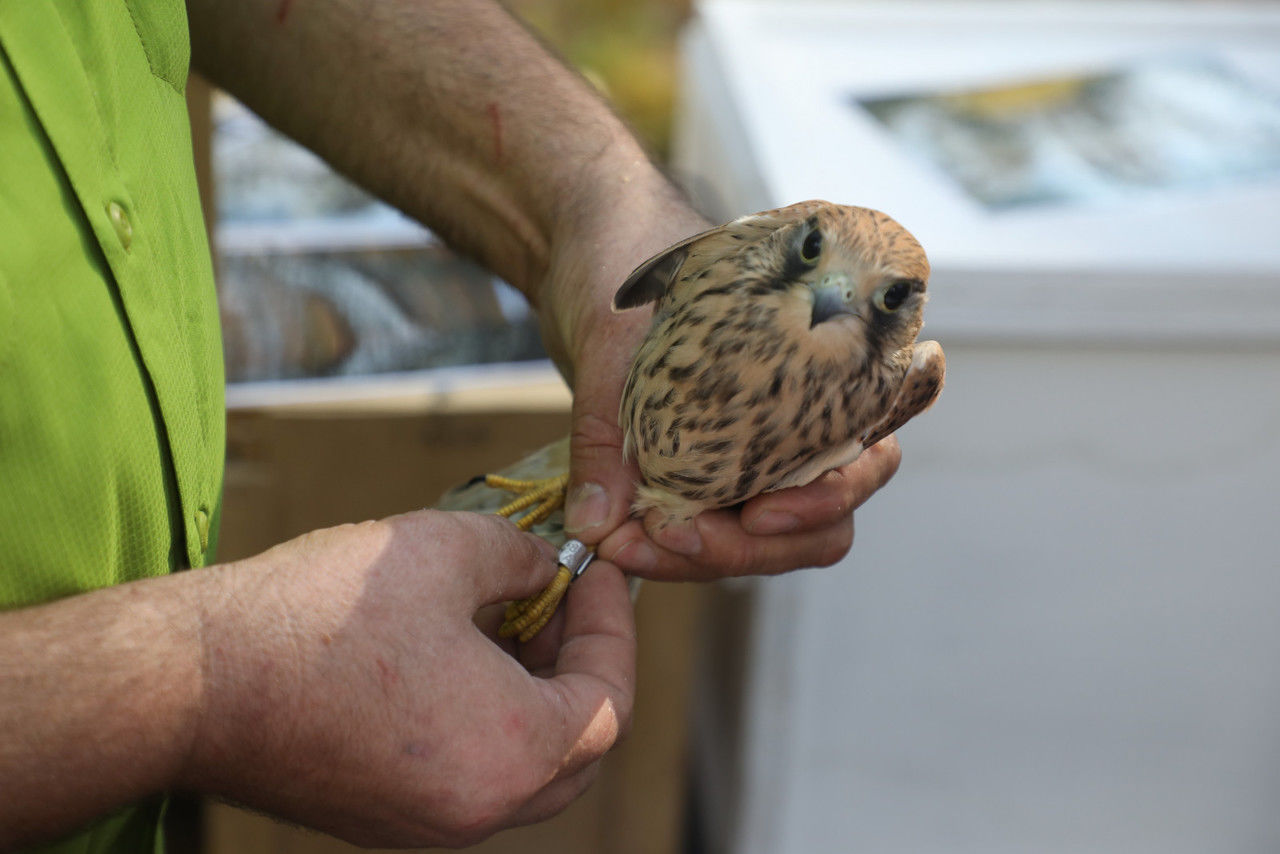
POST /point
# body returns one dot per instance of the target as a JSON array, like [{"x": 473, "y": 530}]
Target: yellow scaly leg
[{"x": 526, "y": 617}]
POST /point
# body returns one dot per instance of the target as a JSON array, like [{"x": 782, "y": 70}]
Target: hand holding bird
[{"x": 782, "y": 345}]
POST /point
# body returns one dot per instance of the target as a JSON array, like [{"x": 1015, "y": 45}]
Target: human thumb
[{"x": 600, "y": 483}]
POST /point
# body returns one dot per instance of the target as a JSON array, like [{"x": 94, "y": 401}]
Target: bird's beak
[{"x": 832, "y": 296}]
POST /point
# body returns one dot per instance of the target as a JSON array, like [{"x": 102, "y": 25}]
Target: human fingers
[
  {"x": 724, "y": 549},
  {"x": 826, "y": 500},
  {"x": 589, "y": 698},
  {"x": 489, "y": 620},
  {"x": 601, "y": 483},
  {"x": 552, "y": 799},
  {"x": 487, "y": 558},
  {"x": 526, "y": 744},
  {"x": 539, "y": 653}
]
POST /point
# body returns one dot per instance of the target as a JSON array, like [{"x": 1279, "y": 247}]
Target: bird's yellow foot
[
  {"x": 540, "y": 498},
  {"x": 526, "y": 617},
  {"x": 543, "y": 496}
]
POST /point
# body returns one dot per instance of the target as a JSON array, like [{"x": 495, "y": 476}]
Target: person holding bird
[
  {"x": 338, "y": 680},
  {"x": 782, "y": 345}
]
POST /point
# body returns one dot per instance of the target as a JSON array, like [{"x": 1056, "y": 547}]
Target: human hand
[
  {"x": 347, "y": 688},
  {"x": 776, "y": 532},
  {"x": 773, "y": 533}
]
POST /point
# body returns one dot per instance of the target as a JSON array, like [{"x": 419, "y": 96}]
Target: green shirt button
[
  {"x": 202, "y": 527},
  {"x": 120, "y": 222}
]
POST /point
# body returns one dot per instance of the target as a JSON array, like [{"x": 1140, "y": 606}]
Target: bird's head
[
  {"x": 849, "y": 280},
  {"x": 860, "y": 272}
]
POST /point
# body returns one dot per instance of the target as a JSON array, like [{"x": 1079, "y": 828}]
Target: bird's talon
[
  {"x": 544, "y": 496},
  {"x": 527, "y": 617},
  {"x": 540, "y": 498}
]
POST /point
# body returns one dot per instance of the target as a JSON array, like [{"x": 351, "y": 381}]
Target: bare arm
[
  {"x": 101, "y": 688},
  {"x": 450, "y": 110},
  {"x": 307, "y": 681},
  {"x": 337, "y": 680}
]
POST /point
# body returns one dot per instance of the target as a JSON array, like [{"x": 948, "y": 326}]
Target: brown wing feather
[
  {"x": 920, "y": 388},
  {"x": 648, "y": 282},
  {"x": 652, "y": 279}
]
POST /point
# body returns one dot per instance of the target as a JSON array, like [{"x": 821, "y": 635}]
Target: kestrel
[{"x": 782, "y": 344}]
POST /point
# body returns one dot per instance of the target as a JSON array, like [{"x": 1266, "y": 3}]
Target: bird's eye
[
  {"x": 891, "y": 298},
  {"x": 811, "y": 247}
]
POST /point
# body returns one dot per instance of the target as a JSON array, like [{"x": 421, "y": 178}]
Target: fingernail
[
  {"x": 773, "y": 522},
  {"x": 636, "y": 556},
  {"x": 680, "y": 537},
  {"x": 587, "y": 506}
]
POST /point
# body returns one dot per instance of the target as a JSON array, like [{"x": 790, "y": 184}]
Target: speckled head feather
[{"x": 782, "y": 344}]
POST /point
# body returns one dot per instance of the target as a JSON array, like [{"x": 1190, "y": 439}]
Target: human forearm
[
  {"x": 449, "y": 109},
  {"x": 98, "y": 694},
  {"x": 337, "y": 680}
]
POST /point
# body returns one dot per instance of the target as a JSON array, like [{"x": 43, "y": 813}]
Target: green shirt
[{"x": 111, "y": 408}]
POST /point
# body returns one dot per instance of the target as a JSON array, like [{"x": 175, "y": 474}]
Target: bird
[{"x": 782, "y": 344}]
